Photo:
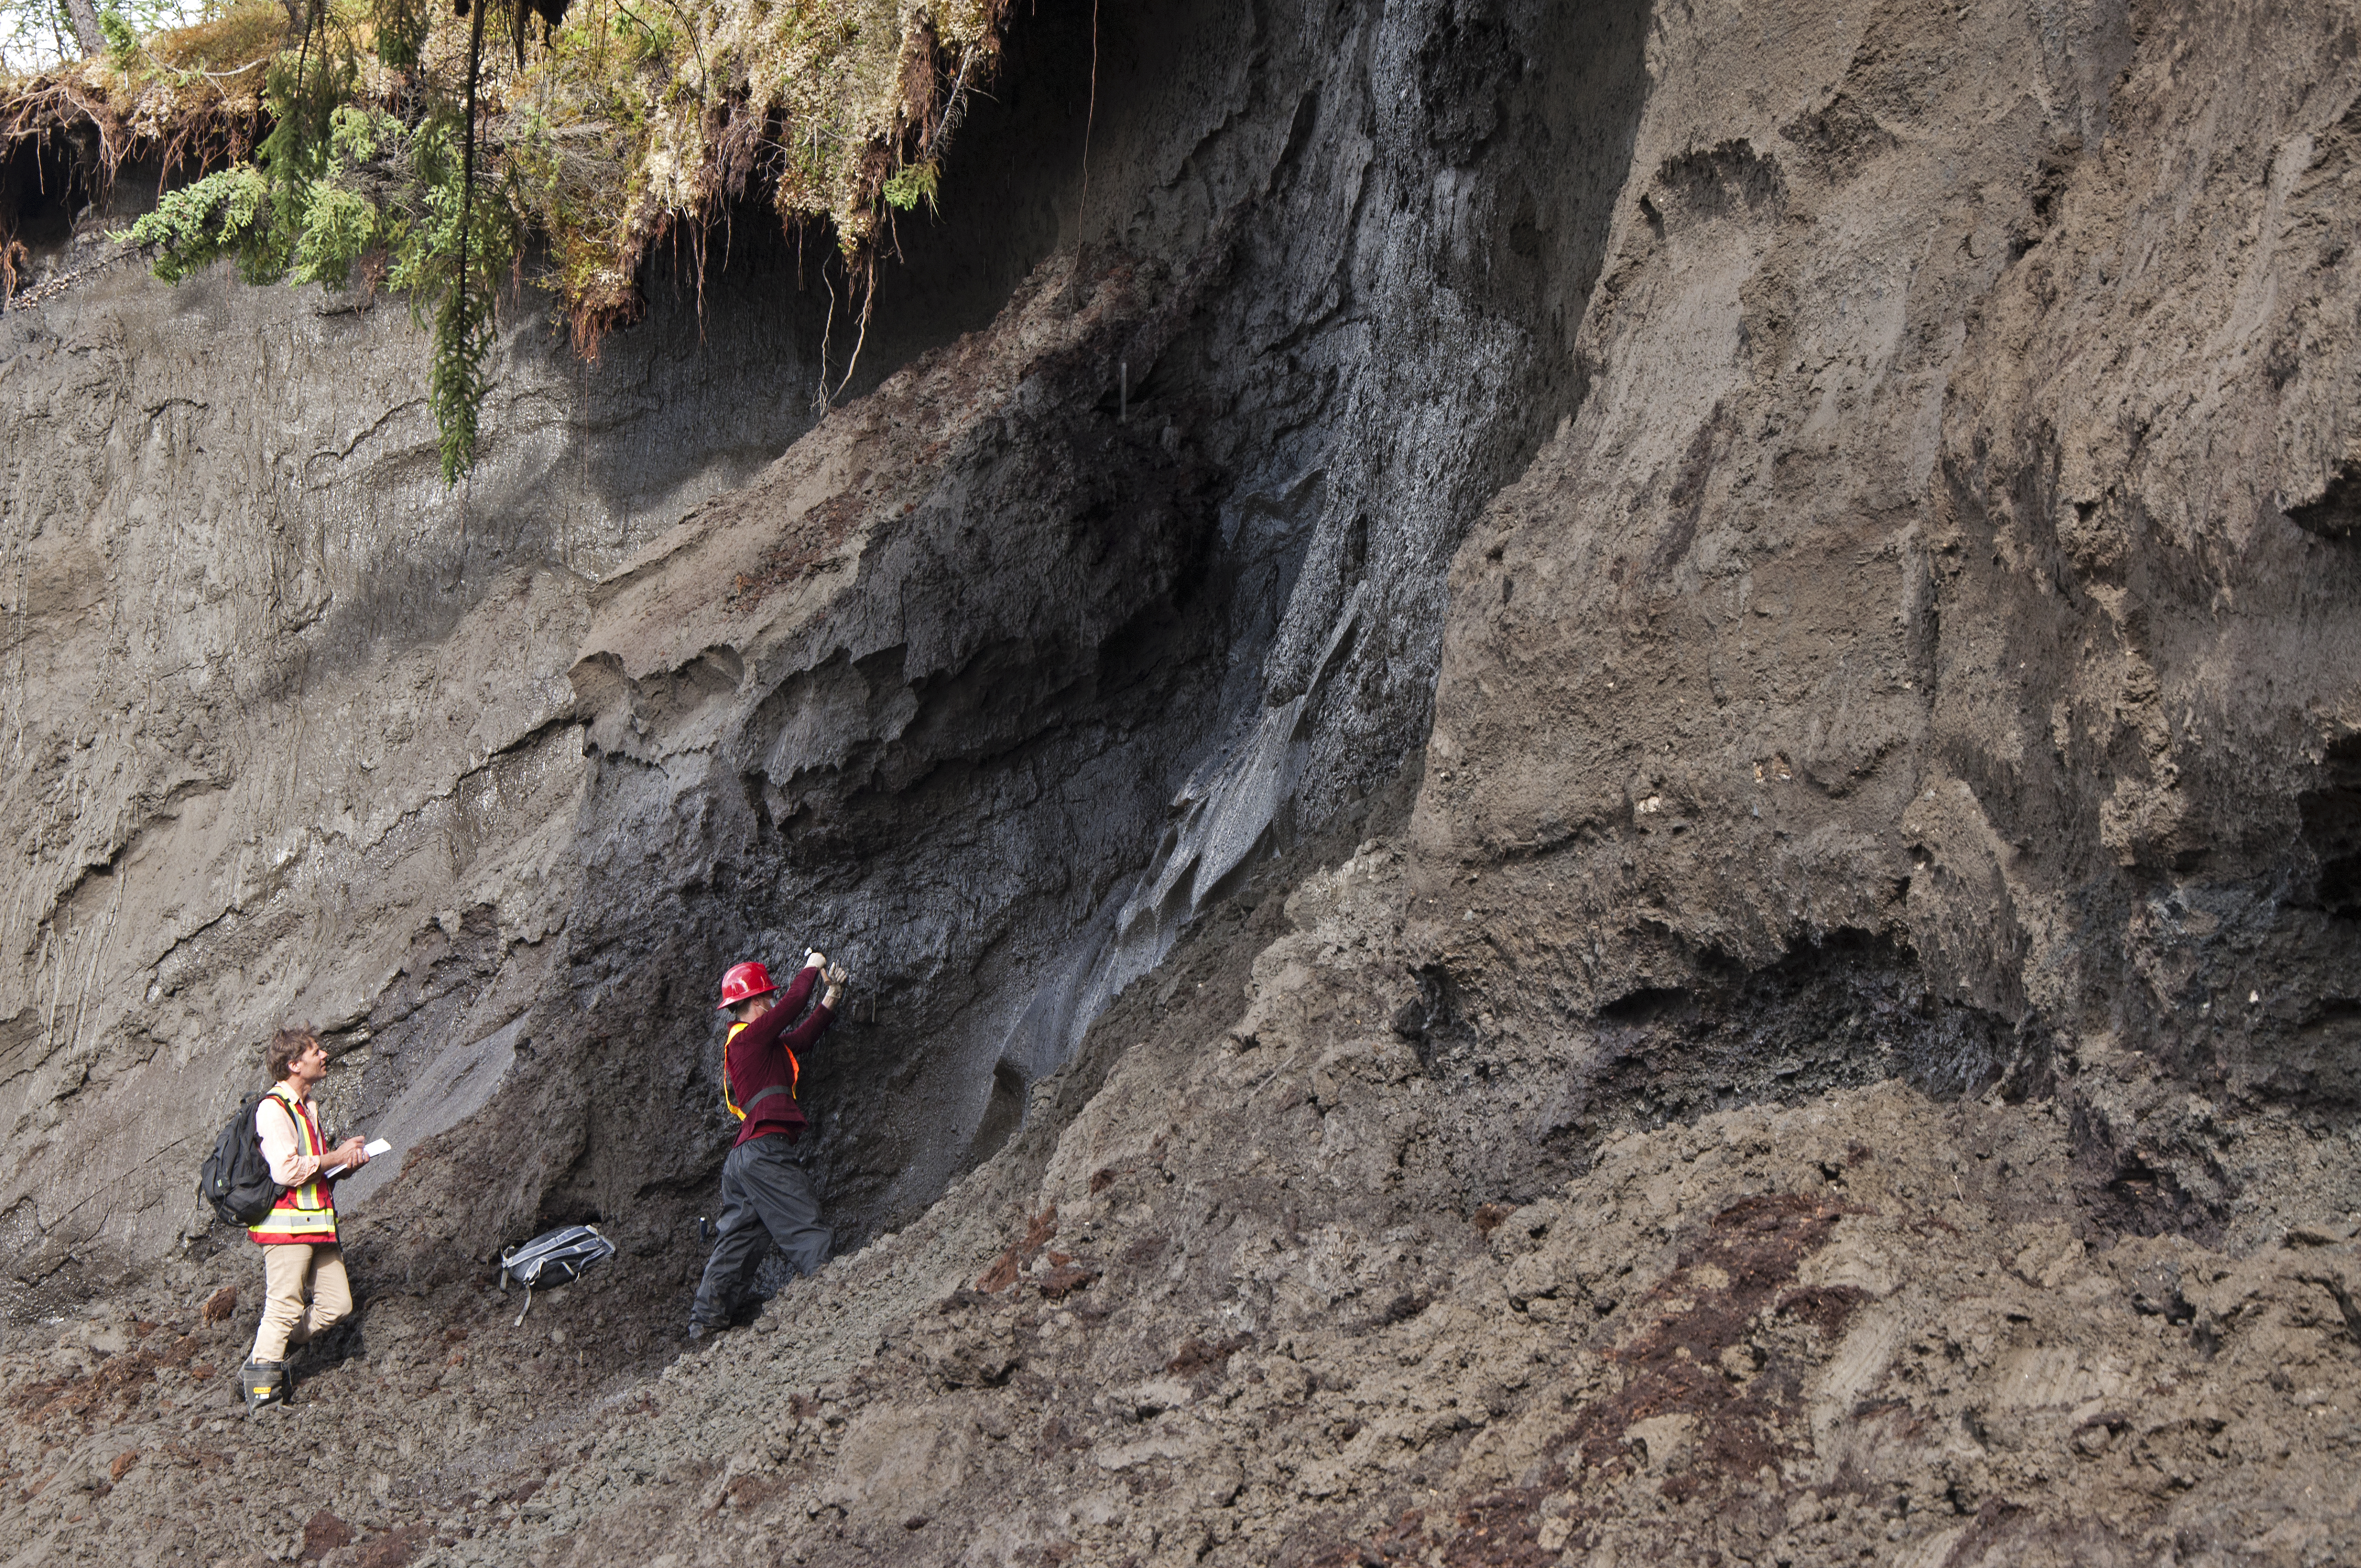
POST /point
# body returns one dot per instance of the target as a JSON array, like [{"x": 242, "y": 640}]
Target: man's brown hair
[{"x": 285, "y": 1047}]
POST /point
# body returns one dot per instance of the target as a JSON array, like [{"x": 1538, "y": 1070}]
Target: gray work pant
[{"x": 765, "y": 1197}]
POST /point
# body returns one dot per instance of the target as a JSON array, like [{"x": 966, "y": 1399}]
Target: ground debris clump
[{"x": 1784, "y": 1333}]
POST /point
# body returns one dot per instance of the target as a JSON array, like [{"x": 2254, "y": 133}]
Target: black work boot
[{"x": 263, "y": 1384}]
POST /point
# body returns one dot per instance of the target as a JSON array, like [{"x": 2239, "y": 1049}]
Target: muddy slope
[
  {"x": 1227, "y": 1299},
  {"x": 1678, "y": 685}
]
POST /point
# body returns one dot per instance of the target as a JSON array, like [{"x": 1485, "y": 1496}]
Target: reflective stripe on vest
[
  {"x": 794, "y": 1077},
  {"x": 305, "y": 1213}
]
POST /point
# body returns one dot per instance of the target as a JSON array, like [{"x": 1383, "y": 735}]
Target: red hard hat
[{"x": 743, "y": 980}]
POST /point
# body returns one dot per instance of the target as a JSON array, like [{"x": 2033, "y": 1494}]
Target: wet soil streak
[{"x": 1727, "y": 1343}]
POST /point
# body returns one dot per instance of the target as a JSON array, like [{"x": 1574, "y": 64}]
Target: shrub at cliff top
[{"x": 371, "y": 142}]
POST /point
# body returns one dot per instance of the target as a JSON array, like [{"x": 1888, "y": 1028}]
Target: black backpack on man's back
[{"x": 235, "y": 1178}]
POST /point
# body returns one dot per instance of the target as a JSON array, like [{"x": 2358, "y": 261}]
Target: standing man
[
  {"x": 766, "y": 1194},
  {"x": 304, "y": 1290}
]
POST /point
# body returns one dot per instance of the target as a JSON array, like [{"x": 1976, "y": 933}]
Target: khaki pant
[{"x": 303, "y": 1292}]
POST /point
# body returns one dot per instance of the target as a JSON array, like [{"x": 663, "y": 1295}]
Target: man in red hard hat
[{"x": 766, "y": 1194}]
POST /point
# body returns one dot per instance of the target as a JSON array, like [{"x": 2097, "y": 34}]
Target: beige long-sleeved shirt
[{"x": 282, "y": 1146}]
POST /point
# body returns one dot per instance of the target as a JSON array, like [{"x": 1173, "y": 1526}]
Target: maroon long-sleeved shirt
[{"x": 762, "y": 1055}]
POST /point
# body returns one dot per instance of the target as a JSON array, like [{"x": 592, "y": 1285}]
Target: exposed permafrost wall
[
  {"x": 1004, "y": 670},
  {"x": 286, "y": 723},
  {"x": 1941, "y": 614},
  {"x": 990, "y": 715},
  {"x": 998, "y": 678}
]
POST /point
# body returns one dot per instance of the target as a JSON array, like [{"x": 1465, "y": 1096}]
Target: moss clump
[
  {"x": 644, "y": 115},
  {"x": 392, "y": 139},
  {"x": 239, "y": 42}
]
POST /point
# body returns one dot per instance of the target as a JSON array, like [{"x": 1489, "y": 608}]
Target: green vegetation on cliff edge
[{"x": 389, "y": 143}]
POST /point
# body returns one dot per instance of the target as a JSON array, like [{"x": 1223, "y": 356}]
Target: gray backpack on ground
[{"x": 557, "y": 1258}]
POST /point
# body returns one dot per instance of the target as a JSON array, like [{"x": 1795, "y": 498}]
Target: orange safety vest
[
  {"x": 795, "y": 1077},
  {"x": 305, "y": 1213}
]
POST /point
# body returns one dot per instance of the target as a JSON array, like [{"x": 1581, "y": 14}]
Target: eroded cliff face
[
  {"x": 1948, "y": 666},
  {"x": 293, "y": 732},
  {"x": 1004, "y": 676},
  {"x": 1594, "y": 782},
  {"x": 288, "y": 722}
]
